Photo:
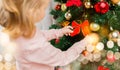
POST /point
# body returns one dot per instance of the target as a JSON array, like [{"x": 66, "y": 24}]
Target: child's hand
[{"x": 67, "y": 30}]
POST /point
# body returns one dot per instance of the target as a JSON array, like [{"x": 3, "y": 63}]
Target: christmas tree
[{"x": 98, "y": 18}]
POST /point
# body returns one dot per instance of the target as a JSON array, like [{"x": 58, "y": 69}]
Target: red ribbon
[
  {"x": 73, "y": 3},
  {"x": 83, "y": 26},
  {"x": 103, "y": 68}
]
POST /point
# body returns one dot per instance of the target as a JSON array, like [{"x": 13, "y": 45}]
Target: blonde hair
[{"x": 17, "y": 16}]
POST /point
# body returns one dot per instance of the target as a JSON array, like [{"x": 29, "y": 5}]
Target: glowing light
[
  {"x": 110, "y": 56},
  {"x": 4, "y": 38},
  {"x": 1, "y": 58},
  {"x": 93, "y": 38},
  {"x": 117, "y": 55},
  {"x": 11, "y": 48},
  {"x": 97, "y": 55},
  {"x": 90, "y": 48},
  {"x": 110, "y": 44},
  {"x": 8, "y": 57},
  {"x": 89, "y": 57},
  {"x": 100, "y": 46}
]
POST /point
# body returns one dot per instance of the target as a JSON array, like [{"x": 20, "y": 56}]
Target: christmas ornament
[
  {"x": 87, "y": 5},
  {"x": 102, "y": 68},
  {"x": 77, "y": 3},
  {"x": 68, "y": 15},
  {"x": 96, "y": 55},
  {"x": 58, "y": 7},
  {"x": 63, "y": 7},
  {"x": 65, "y": 23},
  {"x": 111, "y": 28},
  {"x": 115, "y": 1},
  {"x": 101, "y": 7},
  {"x": 83, "y": 26},
  {"x": 118, "y": 3},
  {"x": 100, "y": 46},
  {"x": 117, "y": 55},
  {"x": 57, "y": 41},
  {"x": 104, "y": 31},
  {"x": 85, "y": 53},
  {"x": 115, "y": 34},
  {"x": 97, "y": 59},
  {"x": 110, "y": 44},
  {"x": 110, "y": 56},
  {"x": 94, "y": 26}
]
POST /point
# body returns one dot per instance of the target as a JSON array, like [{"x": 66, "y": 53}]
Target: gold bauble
[
  {"x": 87, "y": 4},
  {"x": 94, "y": 26},
  {"x": 104, "y": 31},
  {"x": 63, "y": 7},
  {"x": 115, "y": 1},
  {"x": 68, "y": 15},
  {"x": 114, "y": 35},
  {"x": 65, "y": 23}
]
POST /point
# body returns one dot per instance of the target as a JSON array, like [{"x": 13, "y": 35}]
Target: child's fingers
[{"x": 69, "y": 27}]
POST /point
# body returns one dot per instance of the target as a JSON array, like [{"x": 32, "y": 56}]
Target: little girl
[{"x": 34, "y": 51}]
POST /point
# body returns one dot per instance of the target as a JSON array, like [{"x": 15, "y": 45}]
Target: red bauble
[
  {"x": 77, "y": 3},
  {"x": 57, "y": 41},
  {"x": 58, "y": 7},
  {"x": 101, "y": 7},
  {"x": 111, "y": 58},
  {"x": 103, "y": 68}
]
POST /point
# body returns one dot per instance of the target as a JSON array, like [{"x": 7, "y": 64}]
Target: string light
[{"x": 100, "y": 46}]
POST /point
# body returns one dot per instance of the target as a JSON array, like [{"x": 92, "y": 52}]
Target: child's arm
[
  {"x": 56, "y": 33},
  {"x": 54, "y": 57}
]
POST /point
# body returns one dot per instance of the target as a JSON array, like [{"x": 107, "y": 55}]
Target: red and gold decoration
[
  {"x": 101, "y": 21},
  {"x": 83, "y": 26}
]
